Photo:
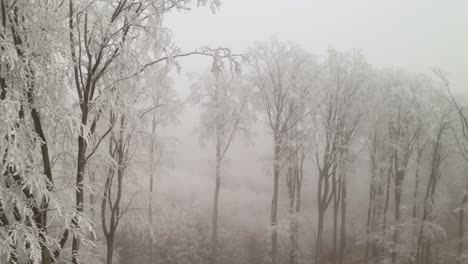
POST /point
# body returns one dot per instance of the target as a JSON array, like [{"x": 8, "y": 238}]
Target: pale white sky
[{"x": 416, "y": 35}]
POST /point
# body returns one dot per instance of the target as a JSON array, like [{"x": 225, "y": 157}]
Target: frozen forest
[{"x": 233, "y": 132}]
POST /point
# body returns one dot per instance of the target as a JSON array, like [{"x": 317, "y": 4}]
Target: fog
[{"x": 233, "y": 131}]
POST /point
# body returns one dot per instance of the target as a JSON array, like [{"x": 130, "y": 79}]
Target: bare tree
[
  {"x": 378, "y": 160},
  {"x": 282, "y": 74},
  {"x": 224, "y": 97},
  {"x": 403, "y": 140},
  {"x": 296, "y": 154},
  {"x": 119, "y": 151},
  {"x": 420, "y": 147},
  {"x": 461, "y": 136},
  {"x": 404, "y": 127},
  {"x": 423, "y": 252},
  {"x": 345, "y": 77}
]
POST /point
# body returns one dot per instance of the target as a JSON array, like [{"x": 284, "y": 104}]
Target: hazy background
[{"x": 414, "y": 35}]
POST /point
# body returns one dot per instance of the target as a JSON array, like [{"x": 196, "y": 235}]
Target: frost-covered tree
[
  {"x": 224, "y": 97},
  {"x": 283, "y": 75},
  {"x": 336, "y": 122},
  {"x": 461, "y": 136}
]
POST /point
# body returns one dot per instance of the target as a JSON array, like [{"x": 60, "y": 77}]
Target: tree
[
  {"x": 124, "y": 118},
  {"x": 439, "y": 155},
  {"x": 119, "y": 147},
  {"x": 224, "y": 97},
  {"x": 337, "y": 122},
  {"x": 283, "y": 75},
  {"x": 100, "y": 33},
  {"x": 27, "y": 86},
  {"x": 296, "y": 155},
  {"x": 404, "y": 128},
  {"x": 461, "y": 136}
]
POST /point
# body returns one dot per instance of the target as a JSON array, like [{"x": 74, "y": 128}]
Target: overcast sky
[{"x": 416, "y": 35}]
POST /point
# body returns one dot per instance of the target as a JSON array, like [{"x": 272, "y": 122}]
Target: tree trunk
[
  {"x": 324, "y": 198},
  {"x": 274, "y": 200},
  {"x": 370, "y": 211},
  {"x": 79, "y": 188},
  {"x": 368, "y": 225},
  {"x": 110, "y": 248},
  {"x": 292, "y": 223},
  {"x": 151, "y": 186},
  {"x": 428, "y": 203},
  {"x": 421, "y": 240},
  {"x": 214, "y": 232},
  {"x": 378, "y": 209},
  {"x": 318, "y": 246},
  {"x": 396, "y": 232},
  {"x": 336, "y": 207},
  {"x": 343, "y": 217},
  {"x": 415, "y": 197},
  {"x": 386, "y": 203},
  {"x": 82, "y": 144},
  {"x": 416, "y": 185},
  {"x": 461, "y": 221},
  {"x": 293, "y": 181}
]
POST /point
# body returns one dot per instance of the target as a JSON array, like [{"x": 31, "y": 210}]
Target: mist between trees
[{"x": 364, "y": 165}]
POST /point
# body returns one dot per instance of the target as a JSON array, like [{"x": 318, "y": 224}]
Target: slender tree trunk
[
  {"x": 274, "y": 200},
  {"x": 119, "y": 152},
  {"x": 370, "y": 211},
  {"x": 461, "y": 224},
  {"x": 425, "y": 243},
  {"x": 385, "y": 210},
  {"x": 368, "y": 225},
  {"x": 377, "y": 209},
  {"x": 318, "y": 247},
  {"x": 219, "y": 124},
  {"x": 343, "y": 217},
  {"x": 324, "y": 197},
  {"x": 336, "y": 207},
  {"x": 79, "y": 194},
  {"x": 92, "y": 199},
  {"x": 416, "y": 185},
  {"x": 299, "y": 183},
  {"x": 293, "y": 181},
  {"x": 421, "y": 240},
  {"x": 320, "y": 219},
  {"x": 396, "y": 232},
  {"x": 214, "y": 231},
  {"x": 293, "y": 242},
  {"x": 82, "y": 144},
  {"x": 110, "y": 249},
  {"x": 294, "y": 184},
  {"x": 292, "y": 223},
  {"x": 151, "y": 186},
  {"x": 415, "y": 197}
]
